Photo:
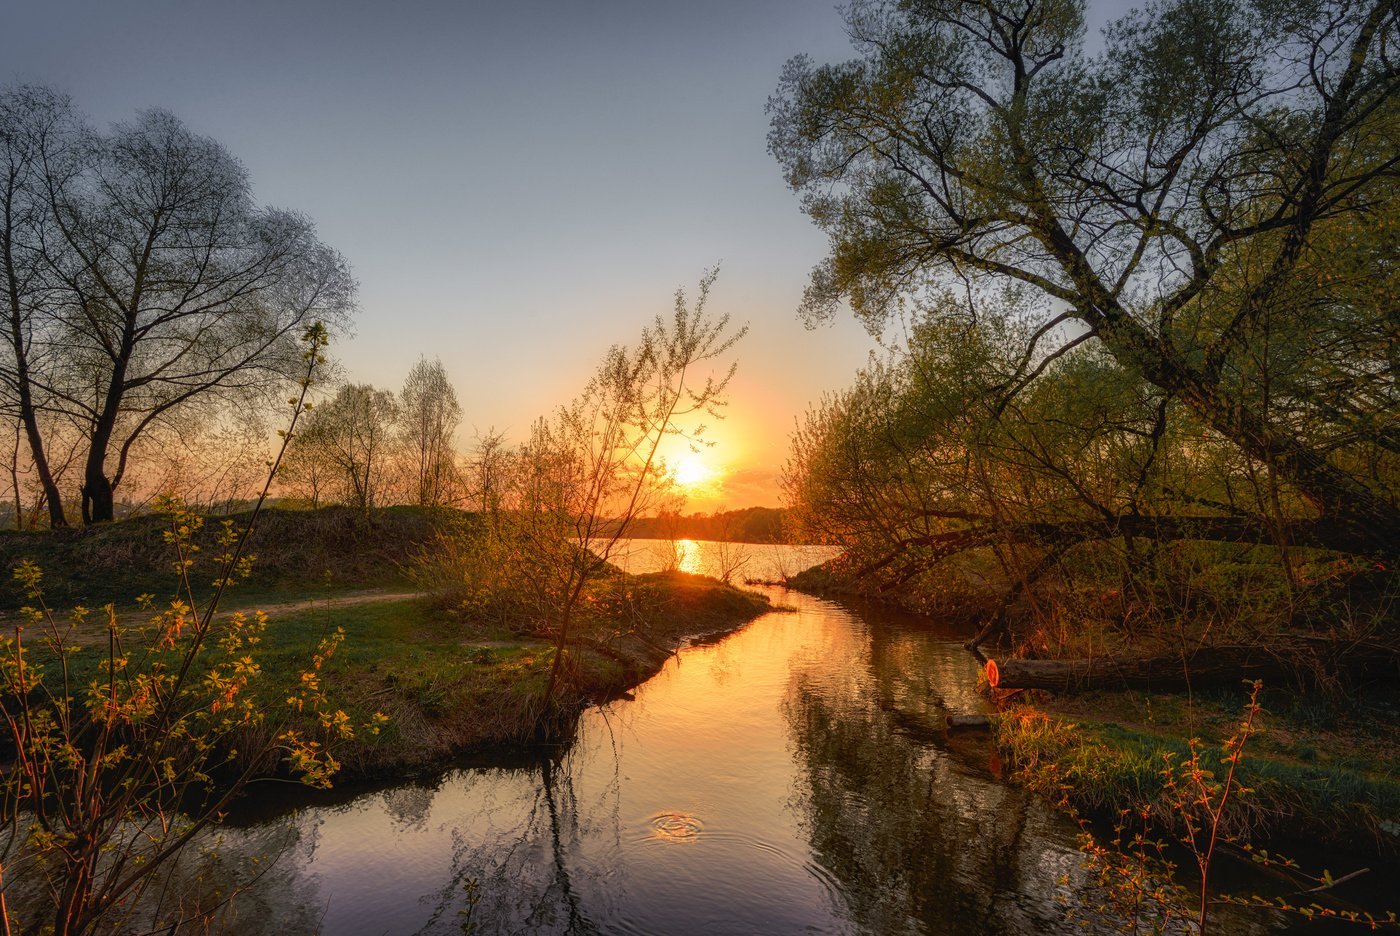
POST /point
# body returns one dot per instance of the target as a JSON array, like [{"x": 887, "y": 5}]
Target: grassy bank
[
  {"x": 298, "y": 553},
  {"x": 449, "y": 676},
  {"x": 450, "y": 685},
  {"x": 1315, "y": 768}
]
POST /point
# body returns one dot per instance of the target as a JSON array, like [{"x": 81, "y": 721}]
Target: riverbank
[
  {"x": 1314, "y": 768},
  {"x": 964, "y": 601},
  {"x": 1320, "y": 766},
  {"x": 447, "y": 676},
  {"x": 450, "y": 685}
]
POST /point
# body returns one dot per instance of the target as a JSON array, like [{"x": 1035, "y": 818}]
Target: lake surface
[
  {"x": 795, "y": 777},
  {"x": 736, "y": 562}
]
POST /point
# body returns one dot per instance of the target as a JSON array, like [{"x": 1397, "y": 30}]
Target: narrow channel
[{"x": 795, "y": 777}]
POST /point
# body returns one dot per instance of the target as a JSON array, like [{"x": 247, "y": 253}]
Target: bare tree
[
  {"x": 592, "y": 468},
  {"x": 428, "y": 416},
  {"x": 345, "y": 446},
  {"x": 730, "y": 554},
  {"x": 35, "y": 125},
  {"x": 142, "y": 280},
  {"x": 556, "y": 508}
]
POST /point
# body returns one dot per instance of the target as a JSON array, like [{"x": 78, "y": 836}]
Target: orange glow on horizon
[{"x": 733, "y": 464}]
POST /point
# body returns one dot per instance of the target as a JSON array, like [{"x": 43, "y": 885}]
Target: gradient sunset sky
[{"x": 517, "y": 185}]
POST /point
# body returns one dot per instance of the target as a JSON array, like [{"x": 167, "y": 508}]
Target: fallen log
[
  {"x": 968, "y": 722},
  {"x": 1209, "y": 666}
]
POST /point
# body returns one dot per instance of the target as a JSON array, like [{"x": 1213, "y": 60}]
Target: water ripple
[{"x": 677, "y": 827}]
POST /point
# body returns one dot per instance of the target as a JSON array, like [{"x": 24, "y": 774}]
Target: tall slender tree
[
  {"x": 36, "y": 124},
  {"x": 428, "y": 416}
]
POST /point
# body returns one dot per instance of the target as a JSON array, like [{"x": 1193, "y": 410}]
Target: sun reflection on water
[{"x": 688, "y": 556}]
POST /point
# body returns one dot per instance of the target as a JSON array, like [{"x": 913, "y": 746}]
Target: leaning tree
[{"x": 1209, "y": 197}]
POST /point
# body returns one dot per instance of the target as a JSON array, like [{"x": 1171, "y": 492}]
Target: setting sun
[{"x": 691, "y": 471}]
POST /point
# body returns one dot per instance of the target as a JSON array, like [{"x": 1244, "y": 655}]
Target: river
[{"x": 794, "y": 777}]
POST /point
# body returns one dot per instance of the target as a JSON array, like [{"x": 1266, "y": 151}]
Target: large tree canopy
[{"x": 1210, "y": 199}]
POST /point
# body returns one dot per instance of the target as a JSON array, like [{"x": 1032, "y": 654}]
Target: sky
[{"x": 517, "y": 186}]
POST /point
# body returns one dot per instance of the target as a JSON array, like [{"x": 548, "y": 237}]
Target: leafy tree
[
  {"x": 1091, "y": 500},
  {"x": 1210, "y": 200}
]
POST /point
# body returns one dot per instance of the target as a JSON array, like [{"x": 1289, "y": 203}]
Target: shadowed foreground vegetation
[{"x": 298, "y": 552}]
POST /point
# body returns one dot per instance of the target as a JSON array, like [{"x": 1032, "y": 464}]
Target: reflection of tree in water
[
  {"x": 917, "y": 840},
  {"x": 918, "y": 836},
  {"x": 408, "y": 805},
  {"x": 276, "y": 900},
  {"x": 527, "y": 878},
  {"x": 225, "y": 881}
]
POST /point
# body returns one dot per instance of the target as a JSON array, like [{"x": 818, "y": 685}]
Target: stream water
[{"x": 795, "y": 777}]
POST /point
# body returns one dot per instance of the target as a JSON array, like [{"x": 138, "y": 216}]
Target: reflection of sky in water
[{"x": 793, "y": 778}]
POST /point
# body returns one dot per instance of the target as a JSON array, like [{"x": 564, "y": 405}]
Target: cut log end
[{"x": 993, "y": 674}]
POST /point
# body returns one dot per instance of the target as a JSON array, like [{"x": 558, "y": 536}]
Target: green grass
[
  {"x": 397, "y": 656},
  {"x": 1324, "y": 767}
]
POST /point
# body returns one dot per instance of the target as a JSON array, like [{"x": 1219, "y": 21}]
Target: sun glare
[{"x": 691, "y": 472}]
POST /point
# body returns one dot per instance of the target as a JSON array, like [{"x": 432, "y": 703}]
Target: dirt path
[{"x": 349, "y": 600}]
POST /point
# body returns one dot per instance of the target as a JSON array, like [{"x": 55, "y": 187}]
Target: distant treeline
[{"x": 751, "y": 525}]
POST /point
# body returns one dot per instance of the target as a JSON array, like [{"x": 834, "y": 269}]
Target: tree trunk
[
  {"x": 57, "y": 518},
  {"x": 98, "y": 503},
  {"x": 1211, "y": 666},
  {"x": 27, "y": 413},
  {"x": 1367, "y": 522},
  {"x": 14, "y": 485},
  {"x": 98, "y": 506}
]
